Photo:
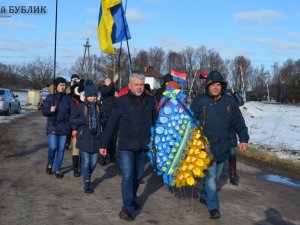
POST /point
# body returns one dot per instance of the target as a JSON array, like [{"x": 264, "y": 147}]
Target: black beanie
[
  {"x": 74, "y": 76},
  {"x": 90, "y": 89},
  {"x": 59, "y": 80}
]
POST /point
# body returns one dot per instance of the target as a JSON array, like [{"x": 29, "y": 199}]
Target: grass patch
[{"x": 271, "y": 163}]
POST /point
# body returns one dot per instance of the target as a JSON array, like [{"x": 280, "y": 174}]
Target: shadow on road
[
  {"x": 67, "y": 169},
  {"x": 153, "y": 184},
  {"x": 273, "y": 217},
  {"x": 109, "y": 172},
  {"x": 34, "y": 149}
]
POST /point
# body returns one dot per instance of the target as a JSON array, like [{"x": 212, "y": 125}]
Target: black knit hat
[
  {"x": 74, "y": 76},
  {"x": 59, "y": 80},
  {"x": 90, "y": 89}
]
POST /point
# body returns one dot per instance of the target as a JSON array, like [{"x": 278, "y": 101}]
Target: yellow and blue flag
[{"x": 112, "y": 25}]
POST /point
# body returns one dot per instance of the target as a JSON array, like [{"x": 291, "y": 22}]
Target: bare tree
[
  {"x": 215, "y": 61},
  {"x": 39, "y": 72},
  {"x": 10, "y": 77},
  {"x": 141, "y": 60},
  {"x": 257, "y": 83},
  {"x": 156, "y": 58},
  {"x": 202, "y": 59},
  {"x": 174, "y": 61},
  {"x": 240, "y": 71},
  {"x": 104, "y": 65},
  {"x": 188, "y": 58}
]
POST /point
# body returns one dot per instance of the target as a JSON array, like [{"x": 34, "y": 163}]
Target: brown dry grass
[{"x": 271, "y": 163}]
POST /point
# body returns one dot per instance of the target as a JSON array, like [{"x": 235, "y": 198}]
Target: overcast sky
[{"x": 265, "y": 31}]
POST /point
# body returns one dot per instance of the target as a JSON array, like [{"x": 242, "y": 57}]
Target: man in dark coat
[
  {"x": 133, "y": 115},
  {"x": 219, "y": 115},
  {"x": 108, "y": 90}
]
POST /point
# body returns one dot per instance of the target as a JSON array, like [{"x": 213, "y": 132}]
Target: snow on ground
[
  {"x": 274, "y": 128},
  {"x": 25, "y": 108}
]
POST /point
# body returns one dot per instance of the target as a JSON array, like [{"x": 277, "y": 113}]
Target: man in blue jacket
[
  {"x": 219, "y": 115},
  {"x": 133, "y": 115}
]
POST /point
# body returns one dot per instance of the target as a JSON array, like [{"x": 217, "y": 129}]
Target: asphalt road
[{"x": 29, "y": 196}]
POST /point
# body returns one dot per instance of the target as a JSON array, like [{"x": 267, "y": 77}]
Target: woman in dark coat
[
  {"x": 85, "y": 119},
  {"x": 57, "y": 110}
]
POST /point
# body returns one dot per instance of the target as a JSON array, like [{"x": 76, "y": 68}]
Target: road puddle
[{"x": 283, "y": 180}]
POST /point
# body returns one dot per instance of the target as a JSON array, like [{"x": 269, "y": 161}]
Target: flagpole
[
  {"x": 126, "y": 35},
  {"x": 54, "y": 69},
  {"x": 119, "y": 65},
  {"x": 55, "y": 38}
]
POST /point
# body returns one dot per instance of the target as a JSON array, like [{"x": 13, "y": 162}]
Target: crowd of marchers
[{"x": 116, "y": 127}]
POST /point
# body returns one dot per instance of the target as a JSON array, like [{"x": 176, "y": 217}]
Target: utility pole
[{"x": 86, "y": 49}]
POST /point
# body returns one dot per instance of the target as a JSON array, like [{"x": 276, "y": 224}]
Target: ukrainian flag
[{"x": 112, "y": 25}]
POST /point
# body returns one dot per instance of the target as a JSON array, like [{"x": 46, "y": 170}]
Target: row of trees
[{"x": 283, "y": 80}]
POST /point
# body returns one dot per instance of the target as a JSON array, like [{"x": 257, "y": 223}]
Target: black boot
[
  {"x": 232, "y": 170},
  {"x": 76, "y": 166},
  {"x": 87, "y": 188}
]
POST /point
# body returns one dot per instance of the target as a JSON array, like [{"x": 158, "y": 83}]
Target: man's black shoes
[
  {"x": 126, "y": 216},
  {"x": 214, "y": 214},
  {"x": 59, "y": 175}
]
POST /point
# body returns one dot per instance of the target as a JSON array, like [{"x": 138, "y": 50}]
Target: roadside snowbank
[{"x": 274, "y": 128}]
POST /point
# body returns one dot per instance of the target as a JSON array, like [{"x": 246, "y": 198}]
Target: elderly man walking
[
  {"x": 220, "y": 116},
  {"x": 133, "y": 115}
]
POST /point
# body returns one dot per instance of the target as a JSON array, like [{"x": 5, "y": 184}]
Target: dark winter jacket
[
  {"x": 58, "y": 122},
  {"x": 107, "y": 101},
  {"x": 86, "y": 141},
  {"x": 133, "y": 120},
  {"x": 219, "y": 119}
]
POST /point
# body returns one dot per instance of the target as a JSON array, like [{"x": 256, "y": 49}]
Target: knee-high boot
[
  {"x": 76, "y": 165},
  {"x": 232, "y": 170}
]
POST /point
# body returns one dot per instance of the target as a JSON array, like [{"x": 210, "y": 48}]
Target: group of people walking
[{"x": 124, "y": 124}]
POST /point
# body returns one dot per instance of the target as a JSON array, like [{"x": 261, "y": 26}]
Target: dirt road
[{"x": 29, "y": 196}]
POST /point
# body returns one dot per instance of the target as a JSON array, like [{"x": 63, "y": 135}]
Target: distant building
[{"x": 153, "y": 77}]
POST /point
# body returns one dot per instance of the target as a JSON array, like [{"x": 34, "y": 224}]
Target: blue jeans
[
  {"x": 209, "y": 191},
  {"x": 132, "y": 165},
  {"x": 56, "y": 143},
  {"x": 88, "y": 164}
]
